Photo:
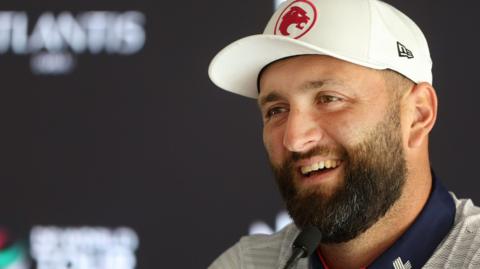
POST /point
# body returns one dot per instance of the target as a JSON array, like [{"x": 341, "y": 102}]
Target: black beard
[{"x": 375, "y": 173}]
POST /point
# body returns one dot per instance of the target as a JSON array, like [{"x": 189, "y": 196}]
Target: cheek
[
  {"x": 273, "y": 142},
  {"x": 349, "y": 134},
  {"x": 350, "y": 128},
  {"x": 343, "y": 131}
]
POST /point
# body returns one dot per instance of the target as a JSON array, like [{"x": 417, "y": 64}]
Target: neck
[{"x": 365, "y": 248}]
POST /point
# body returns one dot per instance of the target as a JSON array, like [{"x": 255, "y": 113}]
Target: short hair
[{"x": 397, "y": 84}]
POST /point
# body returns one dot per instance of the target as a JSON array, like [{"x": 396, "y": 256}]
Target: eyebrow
[
  {"x": 309, "y": 85},
  {"x": 271, "y": 97}
]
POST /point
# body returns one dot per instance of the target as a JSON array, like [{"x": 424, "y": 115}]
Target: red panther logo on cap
[
  {"x": 296, "y": 15},
  {"x": 299, "y": 13}
]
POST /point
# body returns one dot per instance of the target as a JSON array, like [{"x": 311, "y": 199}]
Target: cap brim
[{"x": 237, "y": 66}]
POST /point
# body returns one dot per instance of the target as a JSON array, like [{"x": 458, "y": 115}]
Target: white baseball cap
[{"x": 370, "y": 33}]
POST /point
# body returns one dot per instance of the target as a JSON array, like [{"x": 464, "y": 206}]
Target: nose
[{"x": 302, "y": 131}]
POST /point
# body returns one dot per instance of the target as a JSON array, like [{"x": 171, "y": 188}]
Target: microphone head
[{"x": 308, "y": 240}]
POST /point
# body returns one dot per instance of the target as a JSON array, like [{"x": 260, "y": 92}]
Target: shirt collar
[{"x": 419, "y": 242}]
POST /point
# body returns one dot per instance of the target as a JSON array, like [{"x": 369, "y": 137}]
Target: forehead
[{"x": 305, "y": 72}]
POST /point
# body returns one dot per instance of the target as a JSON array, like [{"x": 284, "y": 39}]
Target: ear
[{"x": 422, "y": 110}]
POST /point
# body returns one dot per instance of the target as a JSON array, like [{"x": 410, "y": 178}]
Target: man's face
[{"x": 333, "y": 135}]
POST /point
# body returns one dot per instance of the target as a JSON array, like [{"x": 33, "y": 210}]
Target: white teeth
[
  {"x": 305, "y": 170},
  {"x": 322, "y": 165},
  {"x": 319, "y": 165}
]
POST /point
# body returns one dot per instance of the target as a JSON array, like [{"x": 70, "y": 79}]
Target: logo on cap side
[
  {"x": 296, "y": 19},
  {"x": 403, "y": 51}
]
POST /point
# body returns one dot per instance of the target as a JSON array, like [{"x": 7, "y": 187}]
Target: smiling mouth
[{"x": 319, "y": 167}]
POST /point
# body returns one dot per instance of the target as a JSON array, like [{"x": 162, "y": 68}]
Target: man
[{"x": 345, "y": 91}]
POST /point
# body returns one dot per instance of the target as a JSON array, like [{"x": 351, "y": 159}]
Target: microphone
[{"x": 304, "y": 245}]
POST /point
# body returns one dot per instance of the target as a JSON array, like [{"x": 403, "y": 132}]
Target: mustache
[{"x": 317, "y": 151}]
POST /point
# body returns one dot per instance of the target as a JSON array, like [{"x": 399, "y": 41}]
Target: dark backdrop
[{"x": 147, "y": 141}]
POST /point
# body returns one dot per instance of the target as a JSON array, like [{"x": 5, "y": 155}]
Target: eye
[
  {"x": 274, "y": 111},
  {"x": 325, "y": 99}
]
